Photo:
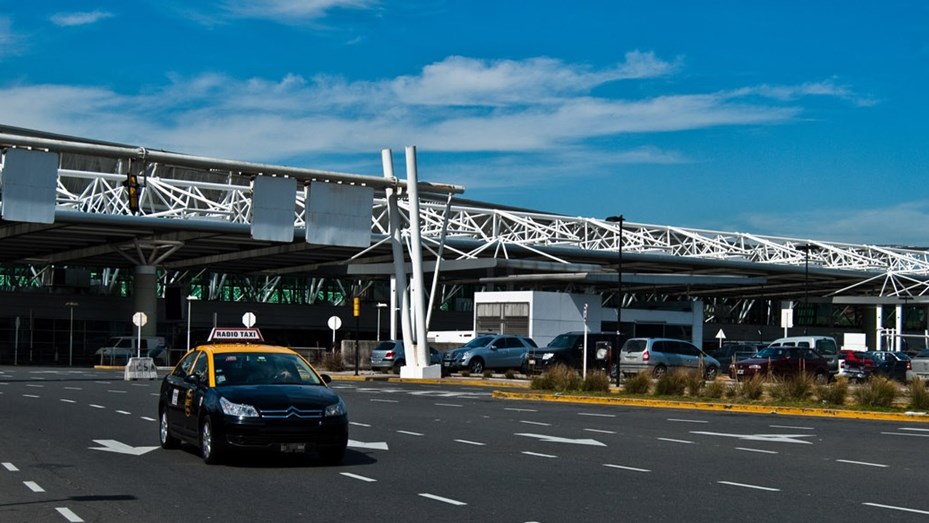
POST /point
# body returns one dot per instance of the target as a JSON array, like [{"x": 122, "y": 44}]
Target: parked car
[
  {"x": 893, "y": 365},
  {"x": 568, "y": 349},
  {"x": 390, "y": 356},
  {"x": 847, "y": 356},
  {"x": 824, "y": 345},
  {"x": 660, "y": 355},
  {"x": 119, "y": 349},
  {"x": 488, "y": 352},
  {"x": 739, "y": 351},
  {"x": 782, "y": 361},
  {"x": 920, "y": 364}
]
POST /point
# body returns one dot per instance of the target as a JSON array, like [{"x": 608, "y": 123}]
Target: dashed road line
[
  {"x": 448, "y": 405},
  {"x": 443, "y": 500},
  {"x": 537, "y": 454},
  {"x": 73, "y": 388},
  {"x": 791, "y": 427},
  {"x": 466, "y": 442},
  {"x": 514, "y": 409},
  {"x": 355, "y": 423},
  {"x": 379, "y": 400},
  {"x": 678, "y": 420},
  {"x": 536, "y": 423},
  {"x": 69, "y": 515},
  {"x": 865, "y": 463},
  {"x": 115, "y": 391},
  {"x": 10, "y": 467},
  {"x": 905, "y": 434},
  {"x": 34, "y": 396},
  {"x": 146, "y": 418},
  {"x": 358, "y": 477},
  {"x": 94, "y": 405},
  {"x": 123, "y": 412},
  {"x": 746, "y": 485},
  {"x": 760, "y": 451},
  {"x": 66, "y": 400},
  {"x": 677, "y": 440},
  {"x": 409, "y": 433},
  {"x": 623, "y": 467},
  {"x": 33, "y": 486},
  {"x": 600, "y": 431},
  {"x": 596, "y": 415},
  {"x": 902, "y": 509}
]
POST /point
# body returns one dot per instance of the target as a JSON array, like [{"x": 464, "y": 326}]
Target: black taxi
[{"x": 238, "y": 394}]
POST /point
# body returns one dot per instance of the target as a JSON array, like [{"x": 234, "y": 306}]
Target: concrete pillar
[
  {"x": 145, "y": 294},
  {"x": 878, "y": 327},
  {"x": 898, "y": 341}
]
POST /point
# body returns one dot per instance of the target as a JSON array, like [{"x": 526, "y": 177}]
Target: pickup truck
[{"x": 920, "y": 364}]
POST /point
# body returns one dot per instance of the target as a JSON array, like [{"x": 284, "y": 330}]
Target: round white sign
[
  {"x": 248, "y": 319},
  {"x": 335, "y": 322},
  {"x": 139, "y": 319}
]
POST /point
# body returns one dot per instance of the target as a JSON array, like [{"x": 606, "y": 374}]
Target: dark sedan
[
  {"x": 893, "y": 365},
  {"x": 240, "y": 396},
  {"x": 782, "y": 361}
]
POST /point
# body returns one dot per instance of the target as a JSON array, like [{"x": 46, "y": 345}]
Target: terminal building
[{"x": 93, "y": 232}]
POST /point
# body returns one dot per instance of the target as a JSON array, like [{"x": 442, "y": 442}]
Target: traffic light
[
  {"x": 132, "y": 192},
  {"x": 356, "y": 309}
]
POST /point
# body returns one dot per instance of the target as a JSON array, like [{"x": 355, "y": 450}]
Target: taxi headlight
[
  {"x": 236, "y": 409},
  {"x": 548, "y": 355},
  {"x": 336, "y": 409}
]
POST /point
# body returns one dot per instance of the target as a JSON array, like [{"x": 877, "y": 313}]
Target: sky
[{"x": 788, "y": 118}]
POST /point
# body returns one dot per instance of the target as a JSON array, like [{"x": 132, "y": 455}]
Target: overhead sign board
[{"x": 235, "y": 334}]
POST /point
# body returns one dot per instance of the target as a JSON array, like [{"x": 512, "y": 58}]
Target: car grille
[{"x": 292, "y": 412}]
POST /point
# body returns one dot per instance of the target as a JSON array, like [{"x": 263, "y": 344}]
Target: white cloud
[
  {"x": 82, "y": 18},
  {"x": 290, "y": 11},
  {"x": 8, "y": 39}
]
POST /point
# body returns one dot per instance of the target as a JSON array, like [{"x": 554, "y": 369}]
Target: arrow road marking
[
  {"x": 374, "y": 445},
  {"x": 111, "y": 445},
  {"x": 556, "y": 439},
  {"x": 771, "y": 438}
]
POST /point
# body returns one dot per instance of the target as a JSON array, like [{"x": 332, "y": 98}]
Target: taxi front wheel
[
  {"x": 167, "y": 440},
  {"x": 210, "y": 447}
]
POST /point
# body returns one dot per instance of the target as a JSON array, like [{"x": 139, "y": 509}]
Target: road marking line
[
  {"x": 790, "y": 427},
  {"x": 914, "y": 429},
  {"x": 610, "y": 465},
  {"x": 378, "y": 400},
  {"x": 146, "y": 418},
  {"x": 33, "y": 486},
  {"x": 114, "y": 391},
  {"x": 676, "y": 440},
  {"x": 520, "y": 410},
  {"x": 356, "y": 476},
  {"x": 479, "y": 444},
  {"x": 122, "y": 412},
  {"x": 34, "y": 396},
  {"x": 757, "y": 450},
  {"x": 688, "y": 420},
  {"x": 862, "y": 463},
  {"x": 443, "y": 500},
  {"x": 601, "y": 431},
  {"x": 536, "y": 423},
  {"x": 73, "y": 388},
  {"x": 447, "y": 405},
  {"x": 35, "y": 385},
  {"x": 69, "y": 515},
  {"x": 359, "y": 424},
  {"x": 410, "y": 433},
  {"x": 65, "y": 400},
  {"x": 526, "y": 452},
  {"x": 11, "y": 467},
  {"x": 596, "y": 415},
  {"x": 891, "y": 507},
  {"x": 745, "y": 485},
  {"x": 905, "y": 434},
  {"x": 97, "y": 406}
]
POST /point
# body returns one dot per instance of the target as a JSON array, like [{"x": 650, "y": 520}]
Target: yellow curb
[{"x": 919, "y": 417}]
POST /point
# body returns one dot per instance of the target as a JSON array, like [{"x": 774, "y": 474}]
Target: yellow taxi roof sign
[{"x": 235, "y": 334}]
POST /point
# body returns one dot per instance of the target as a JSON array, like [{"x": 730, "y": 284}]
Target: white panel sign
[
  {"x": 274, "y": 202},
  {"x": 29, "y": 181},
  {"x": 339, "y": 215}
]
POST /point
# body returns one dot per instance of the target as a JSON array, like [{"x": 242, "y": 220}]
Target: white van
[
  {"x": 119, "y": 349},
  {"x": 824, "y": 345}
]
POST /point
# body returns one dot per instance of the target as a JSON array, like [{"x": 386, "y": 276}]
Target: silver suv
[
  {"x": 660, "y": 355},
  {"x": 488, "y": 352}
]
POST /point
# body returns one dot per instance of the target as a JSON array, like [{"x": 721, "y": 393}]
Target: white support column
[
  {"x": 878, "y": 329},
  {"x": 898, "y": 340},
  {"x": 393, "y": 306},
  {"x": 399, "y": 279}
]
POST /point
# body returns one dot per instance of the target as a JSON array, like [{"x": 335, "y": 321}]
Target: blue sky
[{"x": 790, "y": 118}]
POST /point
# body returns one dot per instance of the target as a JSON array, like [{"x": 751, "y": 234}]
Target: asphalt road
[{"x": 82, "y": 445}]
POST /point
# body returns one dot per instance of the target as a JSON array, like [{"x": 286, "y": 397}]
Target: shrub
[
  {"x": 798, "y": 387},
  {"x": 465, "y": 373},
  {"x": 638, "y": 384},
  {"x": 877, "y": 392},
  {"x": 919, "y": 396},
  {"x": 509, "y": 374},
  {"x": 752, "y": 388},
  {"x": 558, "y": 378},
  {"x": 541, "y": 382},
  {"x": 596, "y": 381},
  {"x": 834, "y": 393},
  {"x": 332, "y": 361},
  {"x": 715, "y": 389},
  {"x": 693, "y": 382},
  {"x": 671, "y": 384},
  {"x": 487, "y": 373}
]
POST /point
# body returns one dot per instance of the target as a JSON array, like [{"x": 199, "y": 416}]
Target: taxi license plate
[
  {"x": 446, "y": 363},
  {"x": 293, "y": 447},
  {"x": 740, "y": 371}
]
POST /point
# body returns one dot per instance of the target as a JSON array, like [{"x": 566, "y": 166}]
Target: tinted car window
[
  {"x": 183, "y": 367},
  {"x": 665, "y": 346},
  {"x": 200, "y": 368},
  {"x": 687, "y": 349},
  {"x": 511, "y": 343},
  {"x": 480, "y": 341},
  {"x": 825, "y": 347}
]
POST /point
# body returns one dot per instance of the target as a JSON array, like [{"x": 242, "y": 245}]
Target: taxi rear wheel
[
  {"x": 167, "y": 440},
  {"x": 210, "y": 447}
]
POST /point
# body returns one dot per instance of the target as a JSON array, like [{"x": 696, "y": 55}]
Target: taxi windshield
[{"x": 251, "y": 368}]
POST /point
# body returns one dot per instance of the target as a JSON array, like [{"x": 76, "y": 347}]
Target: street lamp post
[
  {"x": 190, "y": 299},
  {"x": 380, "y": 306},
  {"x": 619, "y": 290},
  {"x": 806, "y": 277},
  {"x": 71, "y": 305}
]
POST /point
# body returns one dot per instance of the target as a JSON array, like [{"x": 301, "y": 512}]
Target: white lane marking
[
  {"x": 633, "y": 469},
  {"x": 536, "y": 423},
  {"x": 11, "y": 467},
  {"x": 443, "y": 500},
  {"x": 33, "y": 486},
  {"x": 372, "y": 445},
  {"x": 914, "y": 429},
  {"x": 891, "y": 507},
  {"x": 746, "y": 485},
  {"x": 69, "y": 515},
  {"x": 34, "y": 396},
  {"x": 97, "y": 406},
  {"x": 355, "y": 423},
  {"x": 447, "y": 405},
  {"x": 111, "y": 445},
  {"x": 757, "y": 450},
  {"x": 865, "y": 463},
  {"x": 65, "y": 400},
  {"x": 378, "y": 400},
  {"x": 676, "y": 440},
  {"x": 596, "y": 415},
  {"x": 466, "y": 442},
  {"x": 122, "y": 412},
  {"x": 73, "y": 388},
  {"x": 599, "y": 431},
  {"x": 526, "y": 452},
  {"x": 114, "y": 391},
  {"x": 555, "y": 439},
  {"x": 790, "y": 427},
  {"x": 35, "y": 385},
  {"x": 146, "y": 418},
  {"x": 687, "y": 420},
  {"x": 771, "y": 438},
  {"x": 905, "y": 434},
  {"x": 408, "y": 433},
  {"x": 513, "y": 409},
  {"x": 356, "y": 476}
]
